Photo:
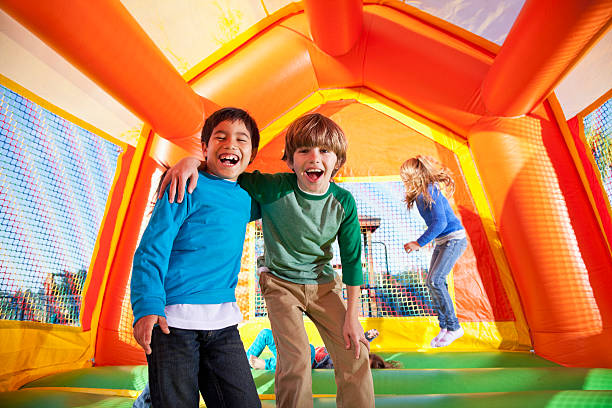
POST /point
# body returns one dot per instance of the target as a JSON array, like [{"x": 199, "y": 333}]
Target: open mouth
[
  {"x": 229, "y": 159},
  {"x": 314, "y": 175}
]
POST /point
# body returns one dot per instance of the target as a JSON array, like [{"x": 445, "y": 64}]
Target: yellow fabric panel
[
  {"x": 414, "y": 334},
  {"x": 486, "y": 216},
  {"x": 178, "y": 30},
  {"x": 239, "y": 41},
  {"x": 30, "y": 350},
  {"x": 99, "y": 391}
]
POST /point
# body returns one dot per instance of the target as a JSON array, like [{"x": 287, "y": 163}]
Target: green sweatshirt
[{"x": 299, "y": 229}]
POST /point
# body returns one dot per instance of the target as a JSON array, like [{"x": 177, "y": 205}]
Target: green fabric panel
[
  {"x": 482, "y": 359},
  {"x": 535, "y": 399},
  {"x": 402, "y": 381},
  {"x": 539, "y": 399},
  {"x": 61, "y": 399},
  {"x": 475, "y": 380},
  {"x": 111, "y": 377}
]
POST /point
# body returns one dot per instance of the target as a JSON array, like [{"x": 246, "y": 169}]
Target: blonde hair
[
  {"x": 418, "y": 173},
  {"x": 315, "y": 130}
]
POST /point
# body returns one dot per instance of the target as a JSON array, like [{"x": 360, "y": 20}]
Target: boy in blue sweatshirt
[
  {"x": 303, "y": 213},
  {"x": 185, "y": 273}
]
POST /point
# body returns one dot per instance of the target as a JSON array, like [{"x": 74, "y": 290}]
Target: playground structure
[{"x": 532, "y": 189}]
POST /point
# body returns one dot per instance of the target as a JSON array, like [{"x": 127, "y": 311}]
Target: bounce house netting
[
  {"x": 54, "y": 184},
  {"x": 598, "y": 135}
]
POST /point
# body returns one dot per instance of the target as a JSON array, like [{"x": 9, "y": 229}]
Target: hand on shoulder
[{"x": 177, "y": 176}]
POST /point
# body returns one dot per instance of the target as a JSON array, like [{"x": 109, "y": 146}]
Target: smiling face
[
  {"x": 229, "y": 150},
  {"x": 314, "y": 167}
]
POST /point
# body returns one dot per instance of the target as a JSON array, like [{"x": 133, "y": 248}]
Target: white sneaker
[
  {"x": 450, "y": 336},
  {"x": 435, "y": 340}
]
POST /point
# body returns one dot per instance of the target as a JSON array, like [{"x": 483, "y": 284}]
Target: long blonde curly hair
[{"x": 418, "y": 173}]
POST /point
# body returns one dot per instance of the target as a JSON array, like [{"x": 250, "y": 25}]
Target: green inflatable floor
[{"x": 444, "y": 379}]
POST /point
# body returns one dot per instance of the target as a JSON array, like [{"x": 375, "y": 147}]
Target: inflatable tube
[{"x": 535, "y": 57}]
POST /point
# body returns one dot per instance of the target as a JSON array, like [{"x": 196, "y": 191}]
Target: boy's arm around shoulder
[{"x": 265, "y": 187}]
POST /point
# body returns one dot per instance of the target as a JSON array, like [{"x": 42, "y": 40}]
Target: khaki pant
[{"x": 324, "y": 305}]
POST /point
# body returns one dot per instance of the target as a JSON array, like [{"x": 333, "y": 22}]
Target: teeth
[
  {"x": 232, "y": 158},
  {"x": 317, "y": 171}
]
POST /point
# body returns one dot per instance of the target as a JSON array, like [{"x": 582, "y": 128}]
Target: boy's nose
[
  {"x": 315, "y": 155},
  {"x": 230, "y": 144}
]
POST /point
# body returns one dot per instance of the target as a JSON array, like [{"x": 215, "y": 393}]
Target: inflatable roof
[{"x": 496, "y": 90}]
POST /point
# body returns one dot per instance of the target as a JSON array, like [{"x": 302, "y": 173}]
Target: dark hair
[
  {"x": 232, "y": 114},
  {"x": 377, "y": 361}
]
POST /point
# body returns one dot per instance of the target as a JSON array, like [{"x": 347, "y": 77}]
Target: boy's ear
[
  {"x": 289, "y": 164},
  {"x": 204, "y": 150}
]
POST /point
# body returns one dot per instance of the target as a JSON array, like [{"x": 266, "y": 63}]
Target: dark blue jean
[
  {"x": 212, "y": 362},
  {"x": 442, "y": 261}
]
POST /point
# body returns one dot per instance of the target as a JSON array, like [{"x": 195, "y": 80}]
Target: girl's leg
[
  {"x": 285, "y": 303},
  {"x": 448, "y": 254},
  {"x": 326, "y": 308},
  {"x": 434, "y": 293}
]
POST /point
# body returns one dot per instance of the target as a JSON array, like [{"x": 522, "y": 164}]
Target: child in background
[
  {"x": 319, "y": 356},
  {"x": 423, "y": 177},
  {"x": 185, "y": 273},
  {"x": 302, "y": 215}
]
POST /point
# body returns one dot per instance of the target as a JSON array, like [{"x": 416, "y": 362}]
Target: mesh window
[
  {"x": 54, "y": 182},
  {"x": 598, "y": 135}
]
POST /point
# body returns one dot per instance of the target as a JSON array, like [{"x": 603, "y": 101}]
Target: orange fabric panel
[
  {"x": 429, "y": 71},
  {"x": 549, "y": 232},
  {"x": 575, "y": 349},
  {"x": 105, "y": 42},
  {"x": 479, "y": 293},
  {"x": 546, "y": 40},
  {"x": 343, "y": 71},
  {"x": 335, "y": 26},
  {"x": 267, "y": 77},
  {"x": 100, "y": 259},
  {"x": 113, "y": 346},
  {"x": 434, "y": 73}
]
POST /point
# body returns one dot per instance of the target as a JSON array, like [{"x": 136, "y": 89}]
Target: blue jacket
[
  {"x": 440, "y": 218},
  {"x": 190, "y": 252}
]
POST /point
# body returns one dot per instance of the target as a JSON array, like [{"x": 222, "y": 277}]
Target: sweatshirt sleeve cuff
[
  {"x": 148, "y": 307},
  {"x": 421, "y": 242}
]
